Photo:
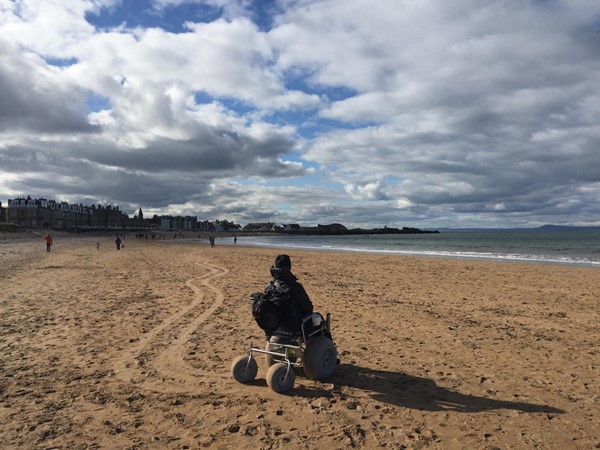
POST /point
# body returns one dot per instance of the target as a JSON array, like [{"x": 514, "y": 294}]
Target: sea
[{"x": 564, "y": 246}]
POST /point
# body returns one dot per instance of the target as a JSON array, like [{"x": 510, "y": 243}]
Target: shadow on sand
[{"x": 408, "y": 391}]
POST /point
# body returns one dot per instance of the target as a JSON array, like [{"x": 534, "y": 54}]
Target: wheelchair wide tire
[{"x": 320, "y": 358}]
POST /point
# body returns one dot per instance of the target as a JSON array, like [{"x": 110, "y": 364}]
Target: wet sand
[{"x": 132, "y": 349}]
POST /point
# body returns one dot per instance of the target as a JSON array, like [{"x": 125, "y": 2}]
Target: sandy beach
[{"x": 131, "y": 349}]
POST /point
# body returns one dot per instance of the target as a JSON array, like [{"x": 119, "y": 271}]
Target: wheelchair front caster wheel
[
  {"x": 244, "y": 369},
  {"x": 280, "y": 379}
]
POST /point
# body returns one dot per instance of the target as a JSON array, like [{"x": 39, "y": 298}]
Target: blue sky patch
[
  {"x": 296, "y": 117},
  {"x": 96, "y": 103},
  {"x": 238, "y": 106},
  {"x": 61, "y": 62},
  {"x": 300, "y": 81},
  {"x": 263, "y": 13},
  {"x": 141, "y": 13},
  {"x": 319, "y": 126}
]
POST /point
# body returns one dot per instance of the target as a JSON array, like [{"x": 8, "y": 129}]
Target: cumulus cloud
[
  {"x": 369, "y": 191},
  {"x": 38, "y": 98}
]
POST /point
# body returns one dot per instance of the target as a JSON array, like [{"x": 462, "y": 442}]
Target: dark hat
[{"x": 282, "y": 261}]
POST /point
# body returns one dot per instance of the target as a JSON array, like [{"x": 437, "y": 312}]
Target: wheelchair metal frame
[{"x": 284, "y": 357}]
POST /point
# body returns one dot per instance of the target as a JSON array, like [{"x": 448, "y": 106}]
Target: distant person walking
[
  {"x": 97, "y": 245},
  {"x": 118, "y": 241},
  {"x": 48, "y": 240}
]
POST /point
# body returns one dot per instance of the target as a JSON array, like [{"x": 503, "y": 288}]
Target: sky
[{"x": 370, "y": 113}]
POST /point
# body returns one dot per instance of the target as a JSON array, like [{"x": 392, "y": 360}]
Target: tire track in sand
[{"x": 167, "y": 371}]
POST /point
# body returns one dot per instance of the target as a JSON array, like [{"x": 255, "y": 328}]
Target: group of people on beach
[
  {"x": 211, "y": 240},
  {"x": 119, "y": 242}
]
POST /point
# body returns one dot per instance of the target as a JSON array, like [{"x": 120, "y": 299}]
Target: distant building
[
  {"x": 29, "y": 212},
  {"x": 3, "y": 216},
  {"x": 179, "y": 223},
  {"x": 138, "y": 221},
  {"x": 225, "y": 225},
  {"x": 268, "y": 226},
  {"x": 206, "y": 225},
  {"x": 154, "y": 222},
  {"x": 108, "y": 217},
  {"x": 40, "y": 212}
]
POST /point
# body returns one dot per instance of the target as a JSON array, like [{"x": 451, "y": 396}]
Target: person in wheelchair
[
  {"x": 297, "y": 337},
  {"x": 295, "y": 302}
]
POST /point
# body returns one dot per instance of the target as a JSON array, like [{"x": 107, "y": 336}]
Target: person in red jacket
[{"x": 48, "y": 240}]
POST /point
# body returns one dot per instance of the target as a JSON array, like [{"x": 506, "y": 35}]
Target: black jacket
[{"x": 288, "y": 287}]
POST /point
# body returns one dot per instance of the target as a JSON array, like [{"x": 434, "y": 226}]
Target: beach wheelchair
[{"x": 312, "y": 349}]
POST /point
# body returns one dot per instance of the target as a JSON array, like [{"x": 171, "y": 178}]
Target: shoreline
[
  {"x": 397, "y": 253},
  {"x": 226, "y": 239}
]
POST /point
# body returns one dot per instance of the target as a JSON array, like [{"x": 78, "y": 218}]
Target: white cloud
[
  {"x": 369, "y": 191},
  {"x": 60, "y": 22},
  {"x": 37, "y": 98}
]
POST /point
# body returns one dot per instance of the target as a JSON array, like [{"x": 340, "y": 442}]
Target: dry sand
[{"x": 132, "y": 350}]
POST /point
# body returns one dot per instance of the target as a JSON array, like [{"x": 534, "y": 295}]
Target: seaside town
[{"x": 43, "y": 213}]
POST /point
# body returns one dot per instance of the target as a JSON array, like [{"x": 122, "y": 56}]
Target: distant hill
[
  {"x": 542, "y": 228},
  {"x": 565, "y": 227},
  {"x": 340, "y": 230}
]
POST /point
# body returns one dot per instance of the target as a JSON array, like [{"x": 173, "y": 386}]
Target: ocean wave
[{"x": 435, "y": 253}]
